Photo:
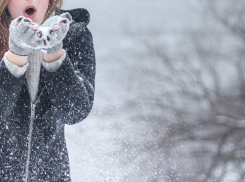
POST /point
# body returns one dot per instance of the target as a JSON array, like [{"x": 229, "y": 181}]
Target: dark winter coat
[{"x": 64, "y": 97}]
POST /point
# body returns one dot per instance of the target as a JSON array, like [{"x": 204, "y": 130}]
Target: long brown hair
[{"x": 4, "y": 22}]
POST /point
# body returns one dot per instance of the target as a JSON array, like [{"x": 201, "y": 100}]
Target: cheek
[
  {"x": 42, "y": 8},
  {"x": 14, "y": 8},
  {"x": 43, "y": 4}
]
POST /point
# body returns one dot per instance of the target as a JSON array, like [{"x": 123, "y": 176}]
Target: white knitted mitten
[
  {"x": 22, "y": 38},
  {"x": 52, "y": 37}
]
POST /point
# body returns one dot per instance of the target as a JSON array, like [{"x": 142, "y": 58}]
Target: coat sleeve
[
  {"x": 71, "y": 86},
  {"x": 10, "y": 88}
]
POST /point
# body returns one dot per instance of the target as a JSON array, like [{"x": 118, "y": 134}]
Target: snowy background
[
  {"x": 109, "y": 145},
  {"x": 130, "y": 134}
]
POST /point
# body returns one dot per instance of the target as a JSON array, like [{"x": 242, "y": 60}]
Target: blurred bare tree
[{"x": 196, "y": 90}]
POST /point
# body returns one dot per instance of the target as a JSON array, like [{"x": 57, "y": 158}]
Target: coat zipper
[
  {"x": 33, "y": 107},
  {"x": 29, "y": 142}
]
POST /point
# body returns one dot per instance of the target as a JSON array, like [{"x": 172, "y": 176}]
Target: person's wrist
[
  {"x": 16, "y": 59},
  {"x": 49, "y": 58}
]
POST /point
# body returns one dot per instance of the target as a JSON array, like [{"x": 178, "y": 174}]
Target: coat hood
[{"x": 78, "y": 15}]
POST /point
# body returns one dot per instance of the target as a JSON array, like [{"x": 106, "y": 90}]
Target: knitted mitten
[
  {"x": 53, "y": 31},
  {"x": 22, "y": 38}
]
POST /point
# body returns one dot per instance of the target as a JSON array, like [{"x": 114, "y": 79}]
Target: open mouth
[{"x": 30, "y": 11}]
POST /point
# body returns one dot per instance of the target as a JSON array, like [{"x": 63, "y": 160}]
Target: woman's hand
[
  {"x": 53, "y": 31},
  {"x": 23, "y": 36}
]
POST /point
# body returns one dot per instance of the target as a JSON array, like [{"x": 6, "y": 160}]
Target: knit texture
[
  {"x": 32, "y": 69},
  {"x": 22, "y": 38},
  {"x": 23, "y": 51},
  {"x": 14, "y": 69},
  {"x": 51, "y": 43}
]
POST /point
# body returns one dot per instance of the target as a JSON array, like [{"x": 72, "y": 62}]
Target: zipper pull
[{"x": 33, "y": 110}]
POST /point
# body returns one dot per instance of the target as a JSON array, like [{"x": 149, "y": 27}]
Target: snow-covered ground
[{"x": 108, "y": 145}]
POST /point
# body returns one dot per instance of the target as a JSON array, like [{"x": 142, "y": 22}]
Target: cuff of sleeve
[
  {"x": 52, "y": 67},
  {"x": 14, "y": 69}
]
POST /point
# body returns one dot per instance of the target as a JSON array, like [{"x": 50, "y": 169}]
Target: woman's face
[{"x": 33, "y": 9}]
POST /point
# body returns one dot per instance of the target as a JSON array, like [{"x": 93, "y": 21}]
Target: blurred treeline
[{"x": 191, "y": 96}]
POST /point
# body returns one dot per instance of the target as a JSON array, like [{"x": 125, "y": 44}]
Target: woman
[{"x": 47, "y": 77}]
